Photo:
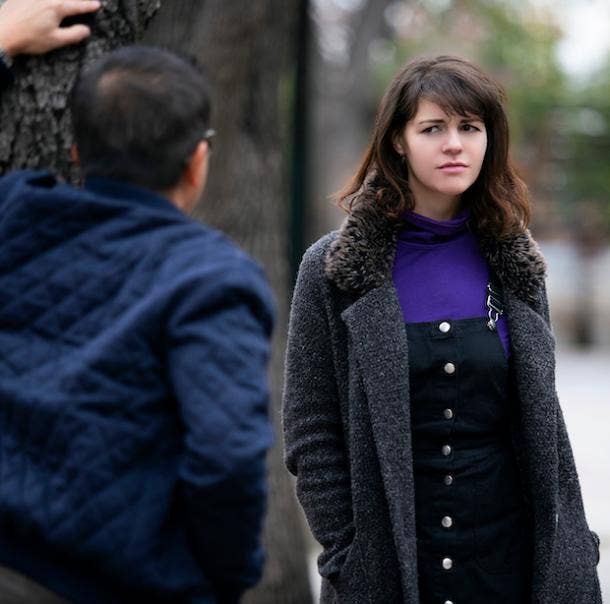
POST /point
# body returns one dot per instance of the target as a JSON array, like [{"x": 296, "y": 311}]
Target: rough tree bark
[
  {"x": 35, "y": 124},
  {"x": 246, "y": 48}
]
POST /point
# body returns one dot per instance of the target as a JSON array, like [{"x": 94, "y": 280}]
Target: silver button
[
  {"x": 444, "y": 327},
  {"x": 447, "y": 563},
  {"x": 447, "y": 521},
  {"x": 448, "y": 480},
  {"x": 446, "y": 450},
  {"x": 448, "y": 413},
  {"x": 449, "y": 368}
]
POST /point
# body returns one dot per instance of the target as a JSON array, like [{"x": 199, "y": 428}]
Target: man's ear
[
  {"x": 194, "y": 169},
  {"x": 74, "y": 155}
]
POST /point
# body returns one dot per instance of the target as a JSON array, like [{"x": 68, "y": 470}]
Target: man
[
  {"x": 133, "y": 351},
  {"x": 34, "y": 27}
]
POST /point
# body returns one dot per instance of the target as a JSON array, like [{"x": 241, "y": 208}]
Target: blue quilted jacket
[{"x": 133, "y": 396}]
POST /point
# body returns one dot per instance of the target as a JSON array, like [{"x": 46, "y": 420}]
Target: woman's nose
[{"x": 453, "y": 142}]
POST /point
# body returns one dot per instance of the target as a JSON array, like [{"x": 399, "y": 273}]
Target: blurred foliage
[
  {"x": 560, "y": 133},
  {"x": 586, "y": 119}
]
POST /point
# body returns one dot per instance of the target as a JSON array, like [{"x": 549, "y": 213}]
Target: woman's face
[{"x": 444, "y": 153}]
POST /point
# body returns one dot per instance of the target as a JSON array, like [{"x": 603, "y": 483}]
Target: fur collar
[{"x": 361, "y": 256}]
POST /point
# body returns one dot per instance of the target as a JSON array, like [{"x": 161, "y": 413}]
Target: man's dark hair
[{"x": 138, "y": 115}]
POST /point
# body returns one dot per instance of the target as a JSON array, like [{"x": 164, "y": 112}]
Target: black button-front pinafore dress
[{"x": 473, "y": 531}]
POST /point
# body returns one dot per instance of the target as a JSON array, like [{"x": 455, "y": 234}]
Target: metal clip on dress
[{"x": 494, "y": 305}]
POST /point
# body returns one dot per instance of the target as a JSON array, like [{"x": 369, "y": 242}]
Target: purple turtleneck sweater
[{"x": 440, "y": 273}]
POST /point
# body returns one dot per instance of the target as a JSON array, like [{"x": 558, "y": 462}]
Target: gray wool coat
[{"x": 347, "y": 423}]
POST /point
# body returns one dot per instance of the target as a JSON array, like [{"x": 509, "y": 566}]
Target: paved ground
[{"x": 583, "y": 385}]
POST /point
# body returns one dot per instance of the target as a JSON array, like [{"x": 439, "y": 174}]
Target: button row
[{"x": 447, "y": 521}]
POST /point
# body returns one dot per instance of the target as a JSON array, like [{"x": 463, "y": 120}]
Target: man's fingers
[
  {"x": 68, "y": 8},
  {"x": 70, "y": 35}
]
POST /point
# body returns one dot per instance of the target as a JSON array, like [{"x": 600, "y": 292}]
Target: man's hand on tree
[{"x": 33, "y": 26}]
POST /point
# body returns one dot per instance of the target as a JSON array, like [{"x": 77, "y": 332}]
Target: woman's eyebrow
[{"x": 467, "y": 118}]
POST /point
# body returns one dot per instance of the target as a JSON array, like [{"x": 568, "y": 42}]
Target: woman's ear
[{"x": 398, "y": 144}]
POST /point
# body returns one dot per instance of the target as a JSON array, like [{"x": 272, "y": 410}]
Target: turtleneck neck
[
  {"x": 421, "y": 229},
  {"x": 439, "y": 271}
]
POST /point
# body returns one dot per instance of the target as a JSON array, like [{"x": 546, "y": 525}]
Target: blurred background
[{"x": 553, "y": 59}]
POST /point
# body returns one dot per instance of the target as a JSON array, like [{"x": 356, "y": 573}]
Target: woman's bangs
[{"x": 455, "y": 98}]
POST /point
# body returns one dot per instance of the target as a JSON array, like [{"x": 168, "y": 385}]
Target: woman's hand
[{"x": 33, "y": 26}]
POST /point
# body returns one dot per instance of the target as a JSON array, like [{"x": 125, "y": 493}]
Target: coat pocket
[
  {"x": 573, "y": 574},
  {"x": 350, "y": 583}
]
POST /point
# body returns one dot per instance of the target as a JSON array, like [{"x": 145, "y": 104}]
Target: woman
[{"x": 420, "y": 412}]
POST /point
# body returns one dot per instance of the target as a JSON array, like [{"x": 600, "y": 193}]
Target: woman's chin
[{"x": 452, "y": 191}]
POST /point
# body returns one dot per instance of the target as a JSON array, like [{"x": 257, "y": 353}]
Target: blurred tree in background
[{"x": 586, "y": 121}]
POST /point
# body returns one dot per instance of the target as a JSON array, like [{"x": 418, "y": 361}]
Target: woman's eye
[
  {"x": 470, "y": 128},
  {"x": 431, "y": 129}
]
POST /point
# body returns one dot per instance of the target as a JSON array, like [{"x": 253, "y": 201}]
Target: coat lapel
[
  {"x": 378, "y": 341},
  {"x": 534, "y": 361},
  {"x": 533, "y": 352}
]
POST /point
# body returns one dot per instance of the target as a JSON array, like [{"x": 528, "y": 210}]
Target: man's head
[{"x": 141, "y": 115}]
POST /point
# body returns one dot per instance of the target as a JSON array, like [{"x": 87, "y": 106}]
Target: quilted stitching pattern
[{"x": 114, "y": 318}]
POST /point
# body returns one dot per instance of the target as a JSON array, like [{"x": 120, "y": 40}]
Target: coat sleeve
[
  {"x": 218, "y": 350},
  {"x": 315, "y": 449}
]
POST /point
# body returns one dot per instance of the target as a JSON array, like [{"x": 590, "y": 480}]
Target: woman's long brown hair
[{"x": 498, "y": 199}]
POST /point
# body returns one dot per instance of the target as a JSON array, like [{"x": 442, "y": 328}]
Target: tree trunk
[
  {"x": 245, "y": 47},
  {"x": 342, "y": 113}
]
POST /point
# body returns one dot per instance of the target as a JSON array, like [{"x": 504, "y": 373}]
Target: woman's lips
[{"x": 453, "y": 168}]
